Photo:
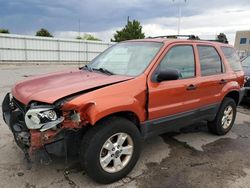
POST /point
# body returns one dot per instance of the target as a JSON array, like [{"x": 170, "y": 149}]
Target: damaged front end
[{"x": 42, "y": 129}]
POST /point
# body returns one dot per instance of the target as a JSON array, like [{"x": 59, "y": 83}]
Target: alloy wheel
[{"x": 116, "y": 152}]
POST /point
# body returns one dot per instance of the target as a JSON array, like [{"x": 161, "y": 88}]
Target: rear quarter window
[{"x": 232, "y": 58}]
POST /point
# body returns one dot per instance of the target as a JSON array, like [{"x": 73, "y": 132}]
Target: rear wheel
[
  {"x": 110, "y": 150},
  {"x": 225, "y": 117}
]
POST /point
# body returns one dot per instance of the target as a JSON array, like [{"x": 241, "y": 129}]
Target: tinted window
[
  {"x": 243, "y": 40},
  {"x": 210, "y": 61},
  {"x": 180, "y": 58},
  {"x": 232, "y": 58}
]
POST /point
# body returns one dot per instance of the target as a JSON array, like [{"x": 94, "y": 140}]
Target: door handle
[
  {"x": 191, "y": 87},
  {"x": 222, "y": 81}
]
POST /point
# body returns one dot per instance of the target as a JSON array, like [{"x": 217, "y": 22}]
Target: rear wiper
[{"x": 103, "y": 70}]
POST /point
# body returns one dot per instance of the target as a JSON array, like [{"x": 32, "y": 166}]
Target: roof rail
[
  {"x": 177, "y": 36},
  {"x": 189, "y": 37},
  {"x": 218, "y": 40}
]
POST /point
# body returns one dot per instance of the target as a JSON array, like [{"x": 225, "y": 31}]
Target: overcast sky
[{"x": 103, "y": 17}]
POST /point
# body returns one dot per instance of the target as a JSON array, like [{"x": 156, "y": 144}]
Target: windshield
[
  {"x": 246, "y": 62},
  {"x": 128, "y": 58}
]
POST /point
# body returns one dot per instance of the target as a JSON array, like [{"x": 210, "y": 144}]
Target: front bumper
[
  {"x": 34, "y": 141},
  {"x": 13, "y": 116},
  {"x": 6, "y": 109}
]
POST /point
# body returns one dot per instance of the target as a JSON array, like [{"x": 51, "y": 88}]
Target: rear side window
[
  {"x": 210, "y": 61},
  {"x": 180, "y": 58},
  {"x": 232, "y": 58}
]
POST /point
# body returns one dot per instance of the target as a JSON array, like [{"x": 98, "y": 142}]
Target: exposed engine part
[
  {"x": 75, "y": 117},
  {"x": 23, "y": 137}
]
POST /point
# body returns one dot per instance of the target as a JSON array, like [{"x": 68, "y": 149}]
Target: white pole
[
  {"x": 79, "y": 44},
  {"x": 179, "y": 16},
  {"x": 179, "y": 19}
]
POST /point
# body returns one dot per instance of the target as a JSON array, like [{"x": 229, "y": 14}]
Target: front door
[{"x": 172, "y": 97}]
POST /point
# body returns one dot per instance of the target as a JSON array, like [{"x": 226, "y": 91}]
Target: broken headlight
[
  {"x": 50, "y": 115},
  {"x": 43, "y": 118}
]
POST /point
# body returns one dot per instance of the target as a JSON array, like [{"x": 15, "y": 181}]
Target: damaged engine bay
[{"x": 42, "y": 129}]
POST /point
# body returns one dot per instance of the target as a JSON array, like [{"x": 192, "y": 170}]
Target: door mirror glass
[{"x": 167, "y": 74}]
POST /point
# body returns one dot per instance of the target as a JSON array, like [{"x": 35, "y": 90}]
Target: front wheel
[
  {"x": 110, "y": 150},
  {"x": 225, "y": 117}
]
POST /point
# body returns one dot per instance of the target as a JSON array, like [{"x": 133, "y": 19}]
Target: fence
[{"x": 28, "y": 49}]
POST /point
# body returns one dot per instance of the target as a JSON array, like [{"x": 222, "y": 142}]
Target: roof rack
[
  {"x": 189, "y": 37},
  {"x": 177, "y": 36}
]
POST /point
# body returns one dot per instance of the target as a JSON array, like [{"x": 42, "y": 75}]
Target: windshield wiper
[
  {"x": 103, "y": 70},
  {"x": 87, "y": 67}
]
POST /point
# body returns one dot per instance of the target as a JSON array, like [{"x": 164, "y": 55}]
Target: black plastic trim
[
  {"x": 176, "y": 122},
  {"x": 6, "y": 110}
]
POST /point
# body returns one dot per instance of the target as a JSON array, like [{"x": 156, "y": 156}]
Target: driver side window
[{"x": 180, "y": 58}]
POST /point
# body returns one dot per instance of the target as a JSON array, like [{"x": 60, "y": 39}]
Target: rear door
[{"x": 212, "y": 76}]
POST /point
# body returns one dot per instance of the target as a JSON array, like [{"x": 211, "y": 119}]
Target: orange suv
[{"x": 132, "y": 91}]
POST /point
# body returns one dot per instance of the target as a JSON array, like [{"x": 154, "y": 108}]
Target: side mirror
[{"x": 167, "y": 74}]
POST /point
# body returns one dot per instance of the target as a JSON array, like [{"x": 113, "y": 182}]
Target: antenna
[
  {"x": 79, "y": 44},
  {"x": 179, "y": 16}
]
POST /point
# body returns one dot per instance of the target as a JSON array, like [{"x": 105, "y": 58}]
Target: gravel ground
[{"x": 193, "y": 158}]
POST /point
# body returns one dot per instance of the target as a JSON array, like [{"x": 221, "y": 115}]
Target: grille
[{"x": 19, "y": 105}]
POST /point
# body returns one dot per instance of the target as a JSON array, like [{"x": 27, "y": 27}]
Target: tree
[
  {"x": 133, "y": 30},
  {"x": 222, "y": 38},
  {"x": 43, "y": 33},
  {"x": 88, "y": 37},
  {"x": 6, "y": 31}
]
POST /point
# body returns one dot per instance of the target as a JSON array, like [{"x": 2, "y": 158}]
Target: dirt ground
[{"x": 193, "y": 158}]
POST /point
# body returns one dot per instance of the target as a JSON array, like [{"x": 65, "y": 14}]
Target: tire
[
  {"x": 92, "y": 149},
  {"x": 216, "y": 126}
]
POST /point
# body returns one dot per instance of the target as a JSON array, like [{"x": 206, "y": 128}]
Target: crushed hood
[{"x": 49, "y": 88}]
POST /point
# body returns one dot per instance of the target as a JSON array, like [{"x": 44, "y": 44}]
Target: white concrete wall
[{"x": 30, "y": 49}]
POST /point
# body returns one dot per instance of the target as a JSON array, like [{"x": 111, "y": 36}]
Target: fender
[
  {"x": 229, "y": 87},
  {"x": 121, "y": 97},
  {"x": 98, "y": 109}
]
